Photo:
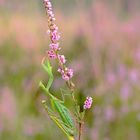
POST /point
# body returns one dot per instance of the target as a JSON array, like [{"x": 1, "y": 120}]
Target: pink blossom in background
[
  {"x": 105, "y": 25},
  {"x": 137, "y": 53},
  {"x": 124, "y": 109},
  {"x": 111, "y": 78},
  {"x": 134, "y": 75},
  {"x": 122, "y": 71},
  {"x": 2, "y": 2},
  {"x": 7, "y": 104},
  {"x": 97, "y": 110},
  {"x": 95, "y": 133},
  {"x": 1, "y": 124},
  {"x": 131, "y": 28},
  {"x": 3, "y": 32},
  {"x": 109, "y": 113},
  {"x": 125, "y": 92},
  {"x": 32, "y": 126},
  {"x": 24, "y": 32}
]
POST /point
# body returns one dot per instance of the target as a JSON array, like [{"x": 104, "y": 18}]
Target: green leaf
[
  {"x": 68, "y": 131},
  {"x": 64, "y": 113},
  {"x": 47, "y": 67}
]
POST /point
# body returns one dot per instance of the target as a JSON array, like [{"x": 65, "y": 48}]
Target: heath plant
[{"x": 56, "y": 109}]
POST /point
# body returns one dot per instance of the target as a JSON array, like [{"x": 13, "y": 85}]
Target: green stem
[{"x": 80, "y": 130}]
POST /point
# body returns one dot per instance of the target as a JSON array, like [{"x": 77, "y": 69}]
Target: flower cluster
[
  {"x": 88, "y": 103},
  {"x": 53, "y": 53}
]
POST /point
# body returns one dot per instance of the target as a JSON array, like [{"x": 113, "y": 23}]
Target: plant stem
[{"x": 80, "y": 131}]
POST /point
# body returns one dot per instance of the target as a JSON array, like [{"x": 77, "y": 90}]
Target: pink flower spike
[
  {"x": 62, "y": 59},
  {"x": 88, "y": 103},
  {"x": 52, "y": 54}
]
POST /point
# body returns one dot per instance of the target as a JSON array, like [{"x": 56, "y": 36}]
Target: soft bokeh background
[{"x": 101, "y": 40}]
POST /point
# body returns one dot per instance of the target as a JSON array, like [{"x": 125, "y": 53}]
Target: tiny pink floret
[
  {"x": 55, "y": 36},
  {"x": 62, "y": 59},
  {"x": 70, "y": 72},
  {"x": 55, "y": 46},
  {"x": 65, "y": 77},
  {"x": 52, "y": 54}
]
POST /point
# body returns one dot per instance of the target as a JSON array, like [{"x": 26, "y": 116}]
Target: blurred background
[{"x": 101, "y": 41}]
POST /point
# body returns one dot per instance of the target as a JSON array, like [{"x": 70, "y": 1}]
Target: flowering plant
[{"x": 57, "y": 111}]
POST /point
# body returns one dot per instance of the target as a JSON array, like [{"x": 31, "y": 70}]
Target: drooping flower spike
[{"x": 53, "y": 53}]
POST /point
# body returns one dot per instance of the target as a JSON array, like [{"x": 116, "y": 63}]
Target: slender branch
[{"x": 80, "y": 131}]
